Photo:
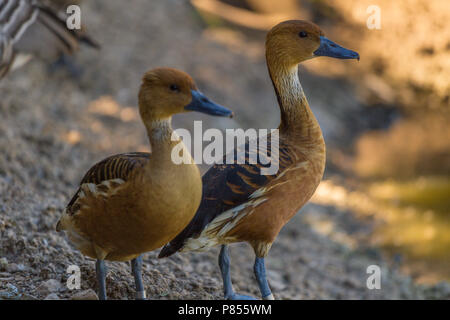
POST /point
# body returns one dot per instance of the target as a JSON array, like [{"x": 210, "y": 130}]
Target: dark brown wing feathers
[
  {"x": 115, "y": 167},
  {"x": 225, "y": 186}
]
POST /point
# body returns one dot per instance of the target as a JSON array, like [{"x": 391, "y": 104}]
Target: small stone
[
  {"x": 12, "y": 288},
  {"x": 52, "y": 296},
  {"x": 3, "y": 263},
  {"x": 49, "y": 286},
  {"x": 5, "y": 295},
  {"x": 14, "y": 267},
  {"x": 21, "y": 267},
  {"x": 85, "y": 295},
  {"x": 11, "y": 292}
]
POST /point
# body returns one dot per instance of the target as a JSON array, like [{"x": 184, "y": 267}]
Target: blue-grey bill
[
  {"x": 202, "y": 104},
  {"x": 330, "y": 49}
]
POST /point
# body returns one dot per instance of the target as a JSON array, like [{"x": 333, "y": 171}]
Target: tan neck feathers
[
  {"x": 159, "y": 132},
  {"x": 297, "y": 118}
]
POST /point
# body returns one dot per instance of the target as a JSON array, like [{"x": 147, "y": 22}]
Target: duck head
[
  {"x": 166, "y": 91},
  {"x": 294, "y": 41}
]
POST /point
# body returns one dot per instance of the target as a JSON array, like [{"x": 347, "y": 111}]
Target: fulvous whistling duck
[
  {"x": 240, "y": 204},
  {"x": 37, "y": 27},
  {"x": 136, "y": 202}
]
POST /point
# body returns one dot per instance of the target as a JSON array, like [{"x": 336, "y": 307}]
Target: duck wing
[
  {"x": 109, "y": 172},
  {"x": 226, "y": 186}
]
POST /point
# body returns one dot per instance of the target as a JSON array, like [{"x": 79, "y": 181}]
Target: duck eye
[
  {"x": 302, "y": 34},
  {"x": 174, "y": 87}
]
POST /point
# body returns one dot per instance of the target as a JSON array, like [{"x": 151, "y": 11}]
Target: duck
[
  {"x": 132, "y": 203},
  {"x": 38, "y": 27},
  {"x": 240, "y": 203}
]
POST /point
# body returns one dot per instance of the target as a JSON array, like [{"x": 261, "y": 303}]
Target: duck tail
[
  {"x": 178, "y": 243},
  {"x": 59, "y": 226},
  {"x": 168, "y": 250}
]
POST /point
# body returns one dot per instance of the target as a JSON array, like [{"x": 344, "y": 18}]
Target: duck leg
[
  {"x": 100, "y": 268},
  {"x": 224, "y": 264},
  {"x": 260, "y": 272},
  {"x": 136, "y": 268}
]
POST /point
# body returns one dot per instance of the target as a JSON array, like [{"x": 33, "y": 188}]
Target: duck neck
[
  {"x": 160, "y": 134},
  {"x": 297, "y": 119}
]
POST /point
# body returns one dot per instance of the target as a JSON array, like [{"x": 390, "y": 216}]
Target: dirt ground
[{"x": 54, "y": 127}]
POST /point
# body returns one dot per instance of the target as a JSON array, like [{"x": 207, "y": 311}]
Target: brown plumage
[
  {"x": 115, "y": 167},
  {"x": 132, "y": 203},
  {"x": 239, "y": 203},
  {"x": 37, "y": 27}
]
